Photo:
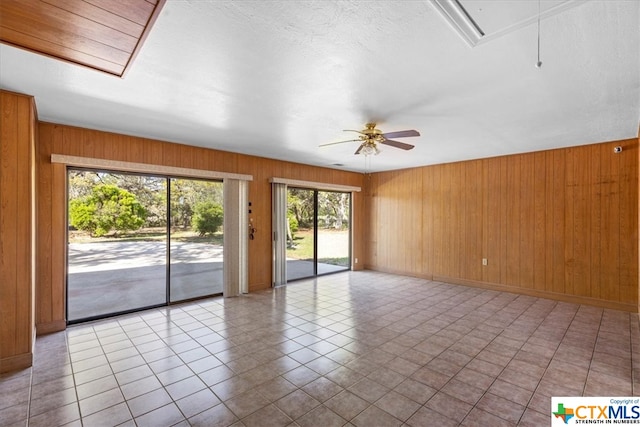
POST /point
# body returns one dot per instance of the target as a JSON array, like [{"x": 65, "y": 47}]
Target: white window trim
[
  {"x": 92, "y": 163},
  {"x": 314, "y": 185}
]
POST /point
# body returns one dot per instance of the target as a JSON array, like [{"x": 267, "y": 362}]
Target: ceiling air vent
[
  {"x": 480, "y": 21},
  {"x": 458, "y": 17}
]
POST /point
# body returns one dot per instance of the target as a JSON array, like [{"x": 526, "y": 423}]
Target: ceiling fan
[{"x": 370, "y": 137}]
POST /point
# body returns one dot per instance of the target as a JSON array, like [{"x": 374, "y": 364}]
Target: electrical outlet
[
  {"x": 484, "y": 261},
  {"x": 355, "y": 261}
]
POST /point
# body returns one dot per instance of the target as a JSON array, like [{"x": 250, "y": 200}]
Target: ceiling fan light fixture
[
  {"x": 458, "y": 17},
  {"x": 370, "y": 150}
]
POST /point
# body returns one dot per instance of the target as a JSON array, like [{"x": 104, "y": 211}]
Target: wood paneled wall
[
  {"x": 59, "y": 139},
  {"x": 561, "y": 223},
  {"x": 17, "y": 127}
]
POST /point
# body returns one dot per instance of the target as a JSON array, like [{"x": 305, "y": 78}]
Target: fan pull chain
[{"x": 539, "y": 63}]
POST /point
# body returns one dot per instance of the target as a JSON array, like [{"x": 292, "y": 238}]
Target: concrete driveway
[{"x": 111, "y": 277}]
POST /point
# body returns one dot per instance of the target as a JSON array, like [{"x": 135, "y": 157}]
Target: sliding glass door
[
  {"x": 318, "y": 232},
  {"x": 196, "y": 238},
  {"x": 139, "y": 241},
  {"x": 334, "y": 223},
  {"x": 301, "y": 234}
]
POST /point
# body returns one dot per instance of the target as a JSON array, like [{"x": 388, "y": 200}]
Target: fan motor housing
[{"x": 371, "y": 130}]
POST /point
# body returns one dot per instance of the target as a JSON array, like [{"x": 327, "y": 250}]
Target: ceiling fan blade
[
  {"x": 339, "y": 142},
  {"x": 359, "y": 148},
  {"x": 401, "y": 134},
  {"x": 397, "y": 144}
]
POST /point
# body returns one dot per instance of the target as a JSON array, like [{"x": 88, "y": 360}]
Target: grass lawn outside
[
  {"x": 148, "y": 235},
  {"x": 329, "y": 242}
]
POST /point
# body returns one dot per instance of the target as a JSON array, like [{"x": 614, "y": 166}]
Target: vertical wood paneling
[
  {"x": 58, "y": 241},
  {"x": 550, "y": 198},
  {"x": 407, "y": 217},
  {"x": 456, "y": 218},
  {"x": 471, "y": 262},
  {"x": 417, "y": 207},
  {"x": 526, "y": 197},
  {"x": 558, "y": 222},
  {"x": 559, "y": 226},
  {"x": 23, "y": 225},
  {"x": 609, "y": 276},
  {"x": 438, "y": 220},
  {"x": 594, "y": 199},
  {"x": 135, "y": 150},
  {"x": 447, "y": 244},
  {"x": 581, "y": 223},
  {"x": 152, "y": 152},
  {"x": 9, "y": 197},
  {"x": 569, "y": 219},
  {"x": 357, "y": 229},
  {"x": 492, "y": 196},
  {"x": 628, "y": 221},
  {"x": 17, "y": 121},
  {"x": 501, "y": 218},
  {"x": 513, "y": 221},
  {"x": 427, "y": 222},
  {"x": 43, "y": 226},
  {"x": 540, "y": 211},
  {"x": 372, "y": 209}
]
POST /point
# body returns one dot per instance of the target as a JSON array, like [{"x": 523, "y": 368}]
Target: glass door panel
[
  {"x": 300, "y": 233},
  {"x": 333, "y": 231},
  {"x": 196, "y": 238},
  {"x": 117, "y": 243}
]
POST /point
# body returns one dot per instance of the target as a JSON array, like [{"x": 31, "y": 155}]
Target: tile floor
[{"x": 355, "y": 348}]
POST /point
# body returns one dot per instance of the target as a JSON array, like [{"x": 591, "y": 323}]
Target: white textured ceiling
[{"x": 278, "y": 78}]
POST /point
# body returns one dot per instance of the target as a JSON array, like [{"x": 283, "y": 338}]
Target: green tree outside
[
  {"x": 106, "y": 208},
  {"x": 207, "y": 218}
]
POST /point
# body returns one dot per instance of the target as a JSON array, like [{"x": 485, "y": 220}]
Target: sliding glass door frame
[
  {"x": 316, "y": 239},
  {"x": 316, "y": 191},
  {"x": 168, "y": 179}
]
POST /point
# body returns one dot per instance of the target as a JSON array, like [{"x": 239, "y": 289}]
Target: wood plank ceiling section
[{"x": 101, "y": 34}]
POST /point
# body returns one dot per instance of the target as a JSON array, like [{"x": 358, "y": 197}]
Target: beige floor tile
[
  {"x": 218, "y": 416},
  {"x": 321, "y": 416},
  {"x": 246, "y": 403},
  {"x": 415, "y": 390},
  {"x": 462, "y": 391},
  {"x": 428, "y": 417},
  {"x": 479, "y": 418},
  {"x": 297, "y": 404},
  {"x": 100, "y": 401},
  {"x": 276, "y": 388},
  {"x": 368, "y": 390},
  {"x": 344, "y": 340},
  {"x": 111, "y": 416},
  {"x": 185, "y": 387},
  {"x": 148, "y": 402},
  {"x": 401, "y": 407},
  {"x": 347, "y": 404},
  {"x": 166, "y": 415},
  {"x": 374, "y": 416},
  {"x": 198, "y": 402},
  {"x": 449, "y": 406},
  {"x": 500, "y": 407},
  {"x": 269, "y": 416},
  {"x": 301, "y": 376}
]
